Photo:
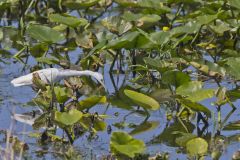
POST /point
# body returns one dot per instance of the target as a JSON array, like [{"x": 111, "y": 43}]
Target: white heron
[{"x": 51, "y": 75}]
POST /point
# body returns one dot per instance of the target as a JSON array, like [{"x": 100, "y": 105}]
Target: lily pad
[
  {"x": 68, "y": 118},
  {"x": 194, "y": 92},
  {"x": 44, "y": 34},
  {"x": 62, "y": 94},
  {"x": 92, "y": 101},
  {"x": 68, "y": 20},
  {"x": 142, "y": 100},
  {"x": 123, "y": 143},
  {"x": 197, "y": 146}
]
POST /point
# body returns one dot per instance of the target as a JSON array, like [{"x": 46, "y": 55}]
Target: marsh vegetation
[{"x": 171, "y": 70}]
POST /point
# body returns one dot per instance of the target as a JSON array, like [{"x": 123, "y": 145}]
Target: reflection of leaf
[
  {"x": 197, "y": 107},
  {"x": 123, "y": 143},
  {"x": 232, "y": 126},
  {"x": 119, "y": 102},
  {"x": 142, "y": 100},
  {"x": 197, "y": 146},
  {"x": 168, "y": 135},
  {"x": 41, "y": 121},
  {"x": 145, "y": 126},
  {"x": 233, "y": 95},
  {"x": 44, "y": 34},
  {"x": 68, "y": 118}
]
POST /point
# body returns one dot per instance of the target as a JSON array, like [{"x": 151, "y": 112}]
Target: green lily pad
[
  {"x": 92, "y": 101},
  {"x": 142, "y": 100},
  {"x": 194, "y": 92},
  {"x": 68, "y": 20},
  {"x": 62, "y": 94},
  {"x": 197, "y": 146},
  {"x": 44, "y": 34},
  {"x": 123, "y": 143},
  {"x": 175, "y": 78},
  {"x": 68, "y": 118}
]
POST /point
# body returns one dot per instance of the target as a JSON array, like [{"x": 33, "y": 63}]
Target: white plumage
[{"x": 51, "y": 75}]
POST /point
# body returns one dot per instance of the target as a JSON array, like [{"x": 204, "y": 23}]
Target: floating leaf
[
  {"x": 99, "y": 125},
  {"x": 73, "y": 4},
  {"x": 47, "y": 60},
  {"x": 116, "y": 25},
  {"x": 44, "y": 34},
  {"x": 125, "y": 41},
  {"x": 68, "y": 118},
  {"x": 232, "y": 66},
  {"x": 206, "y": 19},
  {"x": 141, "y": 19},
  {"x": 84, "y": 40},
  {"x": 142, "y": 100},
  {"x": 123, "y": 143},
  {"x": 184, "y": 138},
  {"x": 194, "y": 92},
  {"x": 175, "y": 78},
  {"x": 67, "y": 20},
  {"x": 189, "y": 28},
  {"x": 234, "y": 3},
  {"x": 209, "y": 68},
  {"x": 158, "y": 64},
  {"x": 92, "y": 101},
  {"x": 197, "y": 147}
]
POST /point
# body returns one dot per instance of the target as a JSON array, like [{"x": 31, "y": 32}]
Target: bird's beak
[{"x": 102, "y": 83}]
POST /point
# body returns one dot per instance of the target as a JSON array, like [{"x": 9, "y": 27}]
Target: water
[{"x": 14, "y": 100}]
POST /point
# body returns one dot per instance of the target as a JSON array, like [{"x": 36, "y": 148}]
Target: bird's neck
[{"x": 69, "y": 73}]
